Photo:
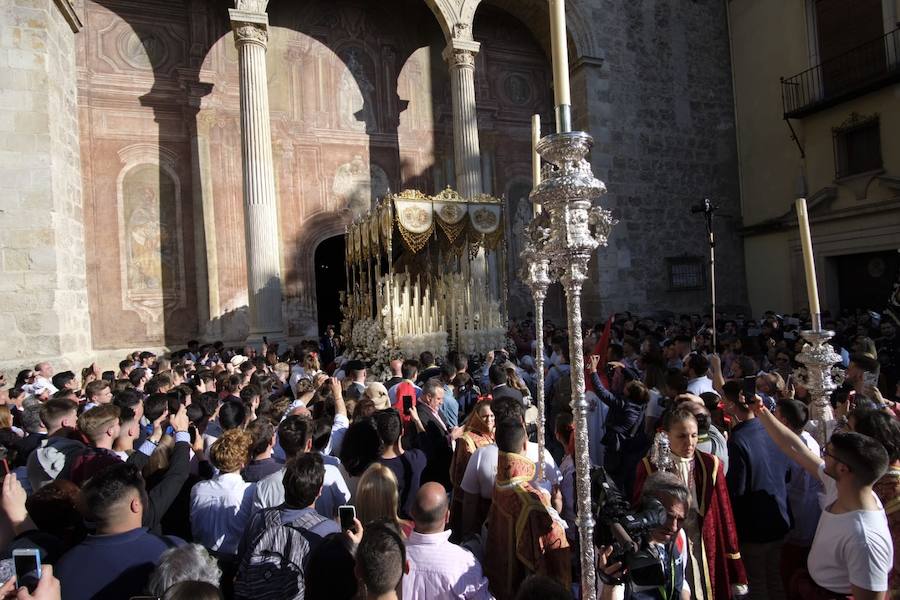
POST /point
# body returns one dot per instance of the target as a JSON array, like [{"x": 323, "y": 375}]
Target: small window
[
  {"x": 686, "y": 273},
  {"x": 857, "y": 146}
]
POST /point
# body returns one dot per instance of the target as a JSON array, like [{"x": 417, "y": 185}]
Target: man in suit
[
  {"x": 499, "y": 387},
  {"x": 437, "y": 439}
]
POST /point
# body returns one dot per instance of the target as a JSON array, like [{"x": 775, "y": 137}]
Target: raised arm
[
  {"x": 339, "y": 407},
  {"x": 786, "y": 440}
]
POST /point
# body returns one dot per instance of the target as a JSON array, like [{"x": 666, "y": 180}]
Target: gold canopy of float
[{"x": 426, "y": 273}]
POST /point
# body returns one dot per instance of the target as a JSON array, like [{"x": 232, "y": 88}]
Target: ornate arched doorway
[{"x": 331, "y": 280}]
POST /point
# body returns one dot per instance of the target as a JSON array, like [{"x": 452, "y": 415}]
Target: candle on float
[
  {"x": 809, "y": 264},
  {"x": 560, "y": 55}
]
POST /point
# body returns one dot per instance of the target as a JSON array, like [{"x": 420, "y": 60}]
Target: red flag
[{"x": 600, "y": 349}]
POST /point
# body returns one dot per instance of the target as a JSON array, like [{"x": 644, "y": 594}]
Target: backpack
[{"x": 273, "y": 563}]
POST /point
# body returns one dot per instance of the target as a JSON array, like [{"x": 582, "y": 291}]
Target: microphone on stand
[{"x": 706, "y": 207}]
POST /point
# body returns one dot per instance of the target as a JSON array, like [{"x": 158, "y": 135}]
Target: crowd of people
[{"x": 292, "y": 472}]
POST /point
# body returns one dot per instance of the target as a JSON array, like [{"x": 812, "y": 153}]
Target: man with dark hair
[
  {"x": 696, "y": 367},
  {"x": 261, "y": 465},
  {"x": 523, "y": 535},
  {"x": 125, "y": 368},
  {"x": 499, "y": 384},
  {"x": 381, "y": 561},
  {"x": 852, "y": 551},
  {"x": 407, "y": 465},
  {"x": 96, "y": 393},
  {"x": 65, "y": 380},
  {"x": 118, "y": 559},
  {"x": 56, "y": 451},
  {"x": 139, "y": 378},
  {"x": 756, "y": 484},
  {"x": 862, "y": 366},
  {"x": 428, "y": 369},
  {"x": 287, "y": 532},
  {"x": 884, "y": 428},
  {"x": 437, "y": 568},
  {"x": 356, "y": 373},
  {"x": 295, "y": 436}
]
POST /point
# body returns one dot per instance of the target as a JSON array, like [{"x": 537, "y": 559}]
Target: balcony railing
[{"x": 858, "y": 71}]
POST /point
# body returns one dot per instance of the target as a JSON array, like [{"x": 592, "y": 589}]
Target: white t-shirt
[
  {"x": 853, "y": 548},
  {"x": 701, "y": 385},
  {"x": 481, "y": 472}
]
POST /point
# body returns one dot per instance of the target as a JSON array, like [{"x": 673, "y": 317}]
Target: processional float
[{"x": 426, "y": 273}]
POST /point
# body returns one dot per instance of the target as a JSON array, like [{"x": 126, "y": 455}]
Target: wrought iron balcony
[{"x": 856, "y": 72}]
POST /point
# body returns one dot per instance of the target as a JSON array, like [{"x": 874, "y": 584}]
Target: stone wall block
[{"x": 38, "y": 323}]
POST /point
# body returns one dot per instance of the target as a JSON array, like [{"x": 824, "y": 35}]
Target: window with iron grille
[
  {"x": 686, "y": 273},
  {"x": 857, "y": 146}
]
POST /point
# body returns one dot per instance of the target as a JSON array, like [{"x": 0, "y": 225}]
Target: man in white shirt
[
  {"x": 852, "y": 551},
  {"x": 438, "y": 569},
  {"x": 42, "y": 377},
  {"x": 695, "y": 367},
  {"x": 295, "y": 437}
]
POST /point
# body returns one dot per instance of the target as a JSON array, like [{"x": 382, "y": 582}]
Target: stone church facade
[{"x": 124, "y": 221}]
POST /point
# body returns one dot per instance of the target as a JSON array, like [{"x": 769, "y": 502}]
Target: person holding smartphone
[{"x": 852, "y": 551}]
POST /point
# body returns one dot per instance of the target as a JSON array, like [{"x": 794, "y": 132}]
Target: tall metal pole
[
  {"x": 708, "y": 210},
  {"x": 576, "y": 229},
  {"x": 536, "y": 275}
]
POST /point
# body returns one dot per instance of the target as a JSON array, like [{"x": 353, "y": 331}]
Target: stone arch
[
  {"x": 455, "y": 18},
  {"x": 302, "y": 314}
]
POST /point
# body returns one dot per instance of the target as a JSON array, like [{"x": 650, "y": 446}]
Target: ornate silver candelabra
[
  {"x": 820, "y": 377},
  {"x": 536, "y": 275},
  {"x": 576, "y": 229}
]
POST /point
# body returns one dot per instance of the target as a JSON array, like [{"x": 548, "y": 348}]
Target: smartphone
[
  {"x": 28, "y": 567},
  {"x": 346, "y": 513},
  {"x": 749, "y": 388},
  {"x": 870, "y": 379},
  {"x": 407, "y": 404}
]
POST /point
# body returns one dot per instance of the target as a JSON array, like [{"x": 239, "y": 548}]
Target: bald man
[{"x": 438, "y": 569}]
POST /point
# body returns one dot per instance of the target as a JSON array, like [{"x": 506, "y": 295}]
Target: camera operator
[{"x": 669, "y": 540}]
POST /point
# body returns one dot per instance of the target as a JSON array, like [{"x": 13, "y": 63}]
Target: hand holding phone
[
  {"x": 749, "y": 389},
  {"x": 870, "y": 379},
  {"x": 28, "y": 567},
  {"x": 346, "y": 514},
  {"x": 407, "y": 404}
]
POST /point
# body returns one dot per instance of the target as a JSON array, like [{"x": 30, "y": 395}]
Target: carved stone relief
[{"x": 357, "y": 185}]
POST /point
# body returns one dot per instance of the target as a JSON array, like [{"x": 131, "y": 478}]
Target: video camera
[{"x": 628, "y": 532}]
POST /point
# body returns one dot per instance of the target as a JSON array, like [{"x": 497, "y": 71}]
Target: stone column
[
  {"x": 460, "y": 55},
  {"x": 260, "y": 208}
]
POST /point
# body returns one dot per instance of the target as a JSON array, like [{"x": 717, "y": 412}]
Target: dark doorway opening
[{"x": 331, "y": 280}]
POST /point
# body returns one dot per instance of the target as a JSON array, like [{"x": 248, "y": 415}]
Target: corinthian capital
[
  {"x": 461, "y": 53},
  {"x": 247, "y": 33},
  {"x": 249, "y": 27}
]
